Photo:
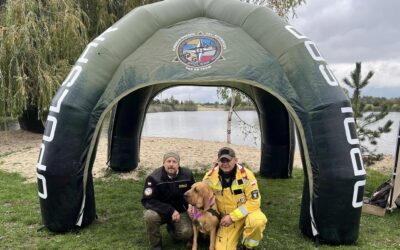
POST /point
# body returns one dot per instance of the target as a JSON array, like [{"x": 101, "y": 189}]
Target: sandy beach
[{"x": 19, "y": 151}]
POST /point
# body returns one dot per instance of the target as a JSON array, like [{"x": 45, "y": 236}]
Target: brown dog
[{"x": 205, "y": 213}]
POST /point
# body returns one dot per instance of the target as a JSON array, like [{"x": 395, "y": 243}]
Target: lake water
[
  {"x": 211, "y": 126},
  {"x": 201, "y": 125}
]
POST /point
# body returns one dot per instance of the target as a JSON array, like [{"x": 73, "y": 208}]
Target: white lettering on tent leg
[
  {"x": 82, "y": 59},
  {"x": 39, "y": 164},
  {"x": 42, "y": 179},
  {"x": 357, "y": 171},
  {"x": 295, "y": 32},
  {"x": 68, "y": 82},
  {"x": 59, "y": 101},
  {"x": 353, "y": 152},
  {"x": 44, "y": 186},
  {"x": 357, "y": 186},
  {"x": 346, "y": 110},
  {"x": 328, "y": 75},
  {"x": 313, "y": 51},
  {"x": 350, "y": 140},
  {"x": 347, "y": 121},
  {"x": 72, "y": 76},
  {"x": 53, "y": 121}
]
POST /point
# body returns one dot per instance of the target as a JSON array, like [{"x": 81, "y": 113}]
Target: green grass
[{"x": 120, "y": 224}]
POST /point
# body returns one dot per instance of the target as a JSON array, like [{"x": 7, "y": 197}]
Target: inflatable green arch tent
[{"x": 208, "y": 43}]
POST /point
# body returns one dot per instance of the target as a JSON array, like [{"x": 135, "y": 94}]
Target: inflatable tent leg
[
  {"x": 277, "y": 132},
  {"x": 124, "y": 138},
  {"x": 305, "y": 217},
  {"x": 338, "y": 177}
]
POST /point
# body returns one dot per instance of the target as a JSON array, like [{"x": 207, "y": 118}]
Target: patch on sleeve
[
  {"x": 253, "y": 183},
  {"x": 149, "y": 184},
  {"x": 254, "y": 194},
  {"x": 148, "y": 191},
  {"x": 182, "y": 185}
]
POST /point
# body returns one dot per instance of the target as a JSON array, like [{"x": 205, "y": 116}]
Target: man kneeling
[
  {"x": 164, "y": 202},
  {"x": 238, "y": 201}
]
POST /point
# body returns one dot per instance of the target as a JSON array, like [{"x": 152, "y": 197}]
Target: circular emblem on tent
[{"x": 197, "y": 51}]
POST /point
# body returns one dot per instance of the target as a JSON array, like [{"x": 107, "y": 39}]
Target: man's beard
[{"x": 172, "y": 172}]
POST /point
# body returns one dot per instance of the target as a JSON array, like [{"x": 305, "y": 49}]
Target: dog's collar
[
  {"x": 211, "y": 210},
  {"x": 195, "y": 214}
]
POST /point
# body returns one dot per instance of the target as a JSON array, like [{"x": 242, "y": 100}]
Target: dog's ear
[
  {"x": 207, "y": 193},
  {"x": 206, "y": 203}
]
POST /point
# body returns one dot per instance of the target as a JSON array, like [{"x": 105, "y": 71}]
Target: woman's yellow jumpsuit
[{"x": 242, "y": 203}]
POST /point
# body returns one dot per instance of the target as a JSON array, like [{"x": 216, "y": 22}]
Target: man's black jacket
[{"x": 165, "y": 195}]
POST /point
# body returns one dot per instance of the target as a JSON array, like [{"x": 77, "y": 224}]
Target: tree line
[
  {"x": 374, "y": 104},
  {"x": 171, "y": 104}
]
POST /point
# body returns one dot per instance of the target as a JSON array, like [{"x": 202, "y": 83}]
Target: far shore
[{"x": 19, "y": 151}]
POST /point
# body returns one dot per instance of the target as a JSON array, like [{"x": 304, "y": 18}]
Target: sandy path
[{"x": 19, "y": 151}]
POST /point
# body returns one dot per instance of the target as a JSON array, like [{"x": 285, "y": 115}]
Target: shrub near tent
[{"x": 206, "y": 43}]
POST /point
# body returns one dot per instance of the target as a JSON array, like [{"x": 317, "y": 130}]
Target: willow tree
[
  {"x": 103, "y": 13},
  {"x": 281, "y": 7},
  {"x": 40, "y": 41}
]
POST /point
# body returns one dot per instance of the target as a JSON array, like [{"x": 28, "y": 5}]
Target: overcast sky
[{"x": 345, "y": 31}]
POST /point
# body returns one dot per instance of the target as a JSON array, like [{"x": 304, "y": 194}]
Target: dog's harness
[
  {"x": 211, "y": 210},
  {"x": 215, "y": 213}
]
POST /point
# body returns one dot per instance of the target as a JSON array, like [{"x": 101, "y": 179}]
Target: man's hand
[
  {"x": 176, "y": 216},
  {"x": 226, "y": 221},
  {"x": 190, "y": 211}
]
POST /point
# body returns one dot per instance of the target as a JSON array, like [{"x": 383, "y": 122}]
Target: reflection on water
[
  {"x": 211, "y": 126},
  {"x": 387, "y": 142},
  {"x": 201, "y": 125}
]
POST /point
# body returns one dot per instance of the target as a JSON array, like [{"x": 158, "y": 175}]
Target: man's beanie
[{"x": 172, "y": 154}]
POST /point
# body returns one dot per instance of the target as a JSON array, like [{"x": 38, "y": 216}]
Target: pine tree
[{"x": 364, "y": 119}]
